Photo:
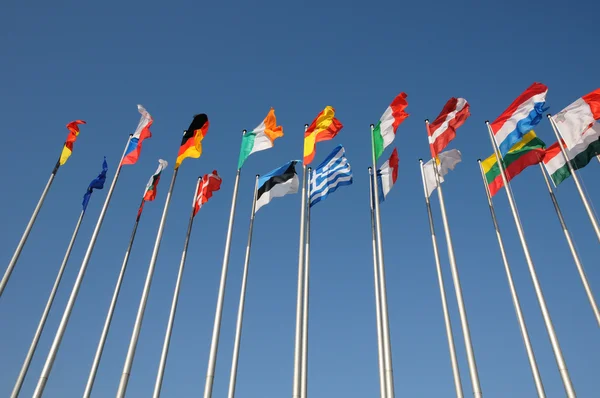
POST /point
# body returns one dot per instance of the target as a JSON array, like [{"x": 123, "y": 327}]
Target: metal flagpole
[
  {"x": 387, "y": 345},
  {"x": 584, "y": 280},
  {"x": 111, "y": 310},
  {"x": 382, "y": 383},
  {"x": 42, "y": 323},
  {"x": 457, "y": 287},
  {"x": 455, "y": 369},
  {"x": 15, "y": 257},
  {"x": 564, "y": 373},
  {"x": 240, "y": 314},
  {"x": 144, "y": 299},
  {"x": 167, "y": 341},
  {"x": 214, "y": 345},
  {"x": 513, "y": 292},
  {"x": 305, "y": 301},
  {"x": 586, "y": 204}
]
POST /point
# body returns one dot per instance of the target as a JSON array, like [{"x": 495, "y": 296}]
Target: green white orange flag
[
  {"x": 261, "y": 138},
  {"x": 73, "y": 133},
  {"x": 384, "y": 131}
]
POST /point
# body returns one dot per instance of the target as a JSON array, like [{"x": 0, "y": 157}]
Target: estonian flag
[{"x": 277, "y": 183}]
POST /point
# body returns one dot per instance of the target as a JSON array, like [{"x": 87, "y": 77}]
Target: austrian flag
[{"x": 443, "y": 128}]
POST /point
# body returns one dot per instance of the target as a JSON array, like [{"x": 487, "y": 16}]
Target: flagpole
[
  {"x": 111, "y": 310},
  {"x": 17, "y": 253},
  {"x": 214, "y": 345},
  {"x": 564, "y": 373},
  {"x": 477, "y": 393},
  {"x": 584, "y": 279},
  {"x": 455, "y": 369},
  {"x": 586, "y": 204},
  {"x": 513, "y": 292},
  {"x": 144, "y": 298},
  {"x": 240, "y": 314},
  {"x": 167, "y": 340},
  {"x": 42, "y": 323},
  {"x": 305, "y": 299},
  {"x": 387, "y": 345},
  {"x": 380, "y": 362},
  {"x": 297, "y": 381}
]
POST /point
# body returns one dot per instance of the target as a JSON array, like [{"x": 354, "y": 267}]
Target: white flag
[{"x": 447, "y": 161}]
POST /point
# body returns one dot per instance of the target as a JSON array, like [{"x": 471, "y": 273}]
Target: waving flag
[
  {"x": 446, "y": 161},
  {"x": 277, "y": 183},
  {"x": 151, "y": 187},
  {"x": 576, "y": 119},
  {"x": 260, "y": 138},
  {"x": 97, "y": 183},
  {"x": 520, "y": 117},
  {"x": 384, "y": 131},
  {"x": 210, "y": 183},
  {"x": 443, "y": 128},
  {"x": 73, "y": 133},
  {"x": 334, "y": 172},
  {"x": 141, "y": 133},
  {"x": 387, "y": 175},
  {"x": 323, "y": 128},
  {"x": 191, "y": 143}
]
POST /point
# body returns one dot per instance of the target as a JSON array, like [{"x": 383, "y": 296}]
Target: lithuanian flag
[
  {"x": 73, "y": 133},
  {"x": 323, "y": 128},
  {"x": 528, "y": 151},
  {"x": 191, "y": 144}
]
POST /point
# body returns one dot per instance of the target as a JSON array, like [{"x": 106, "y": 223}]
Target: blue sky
[{"x": 74, "y": 60}]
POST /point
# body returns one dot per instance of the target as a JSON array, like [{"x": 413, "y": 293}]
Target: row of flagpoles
[{"x": 515, "y": 147}]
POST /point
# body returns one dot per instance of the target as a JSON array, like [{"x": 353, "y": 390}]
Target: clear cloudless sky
[{"x": 70, "y": 60}]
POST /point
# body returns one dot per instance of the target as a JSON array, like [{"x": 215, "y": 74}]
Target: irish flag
[
  {"x": 387, "y": 175},
  {"x": 260, "y": 138},
  {"x": 574, "y": 121},
  {"x": 579, "y": 156},
  {"x": 384, "y": 131}
]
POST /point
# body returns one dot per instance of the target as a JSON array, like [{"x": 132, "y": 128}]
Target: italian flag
[
  {"x": 574, "y": 121},
  {"x": 385, "y": 130},
  {"x": 260, "y": 138},
  {"x": 579, "y": 156}
]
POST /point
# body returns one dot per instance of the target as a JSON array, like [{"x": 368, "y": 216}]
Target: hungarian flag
[
  {"x": 210, "y": 183},
  {"x": 384, "y": 131},
  {"x": 323, "y": 128},
  {"x": 73, "y": 133},
  {"x": 577, "y": 118},
  {"x": 387, "y": 175},
  {"x": 443, "y": 128},
  {"x": 260, "y": 138},
  {"x": 150, "y": 192},
  {"x": 191, "y": 144},
  {"x": 141, "y": 133}
]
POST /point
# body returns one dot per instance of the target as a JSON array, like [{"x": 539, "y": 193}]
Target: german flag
[
  {"x": 73, "y": 133},
  {"x": 323, "y": 128},
  {"x": 191, "y": 144}
]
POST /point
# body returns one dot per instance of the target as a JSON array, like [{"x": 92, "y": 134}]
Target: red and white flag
[
  {"x": 209, "y": 184},
  {"x": 443, "y": 128}
]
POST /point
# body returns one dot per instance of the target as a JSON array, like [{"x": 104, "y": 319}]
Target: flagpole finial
[
  {"x": 371, "y": 125},
  {"x": 420, "y": 160},
  {"x": 244, "y": 131},
  {"x": 258, "y": 175},
  {"x": 426, "y": 121},
  {"x": 478, "y": 160},
  {"x": 487, "y": 122},
  {"x": 305, "y": 125},
  {"x": 548, "y": 115}
]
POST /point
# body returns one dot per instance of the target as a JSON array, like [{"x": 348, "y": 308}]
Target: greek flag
[{"x": 334, "y": 172}]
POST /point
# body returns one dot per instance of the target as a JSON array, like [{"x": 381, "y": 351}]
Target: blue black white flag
[
  {"x": 97, "y": 183},
  {"x": 277, "y": 183},
  {"x": 334, "y": 172}
]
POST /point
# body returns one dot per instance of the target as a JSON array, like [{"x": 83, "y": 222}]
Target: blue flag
[
  {"x": 334, "y": 172},
  {"x": 97, "y": 183}
]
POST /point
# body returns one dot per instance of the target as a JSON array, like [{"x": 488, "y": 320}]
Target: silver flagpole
[
  {"x": 457, "y": 287},
  {"x": 380, "y": 362},
  {"x": 455, "y": 369},
  {"x": 17, "y": 253},
  {"x": 584, "y": 280},
  {"x": 296, "y": 389},
  {"x": 214, "y": 345},
  {"x": 305, "y": 301},
  {"x": 42, "y": 323},
  {"x": 111, "y": 310},
  {"x": 562, "y": 366},
  {"x": 167, "y": 341},
  {"x": 144, "y": 299},
  {"x": 387, "y": 344},
  {"x": 39, "y": 390},
  {"x": 240, "y": 314},
  {"x": 586, "y": 204},
  {"x": 513, "y": 292}
]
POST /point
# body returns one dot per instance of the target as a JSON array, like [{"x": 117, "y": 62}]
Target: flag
[
  {"x": 577, "y": 118},
  {"x": 141, "y": 133},
  {"x": 520, "y": 117},
  {"x": 260, "y": 138},
  {"x": 384, "y": 131},
  {"x": 332, "y": 173},
  {"x": 387, "y": 175},
  {"x": 579, "y": 156},
  {"x": 97, "y": 183},
  {"x": 443, "y": 128},
  {"x": 446, "y": 161},
  {"x": 191, "y": 144},
  {"x": 323, "y": 128},
  {"x": 210, "y": 183},
  {"x": 525, "y": 153},
  {"x": 150, "y": 192},
  {"x": 73, "y": 133},
  {"x": 277, "y": 183}
]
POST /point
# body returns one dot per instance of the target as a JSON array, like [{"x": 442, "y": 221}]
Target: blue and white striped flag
[{"x": 334, "y": 172}]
